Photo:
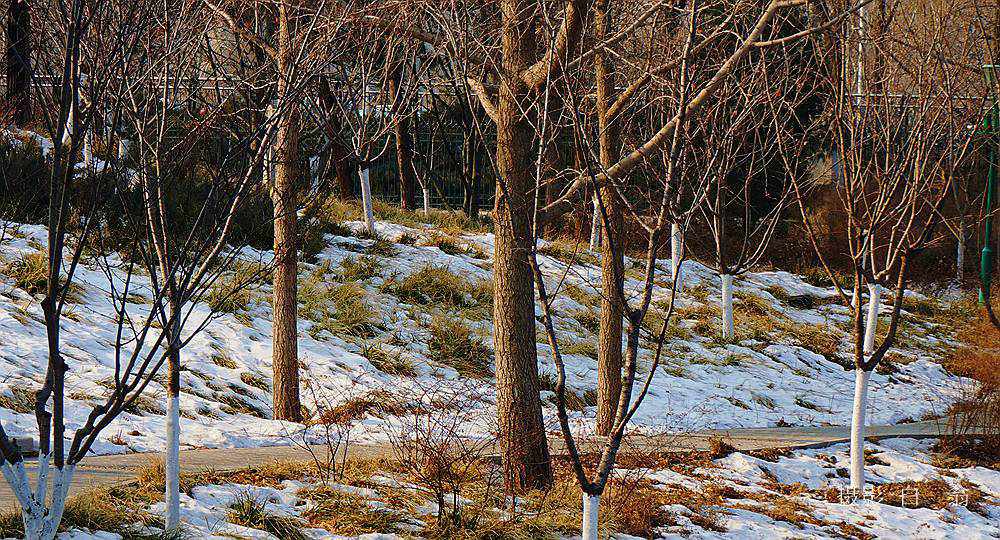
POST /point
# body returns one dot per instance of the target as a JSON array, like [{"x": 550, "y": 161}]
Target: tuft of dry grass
[{"x": 453, "y": 343}]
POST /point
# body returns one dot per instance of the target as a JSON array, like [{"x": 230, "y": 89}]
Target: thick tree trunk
[
  {"x": 609, "y": 355},
  {"x": 858, "y": 428},
  {"x": 404, "y": 150},
  {"x": 19, "y": 61},
  {"x": 285, "y": 354},
  {"x": 519, "y": 410},
  {"x": 591, "y": 514}
]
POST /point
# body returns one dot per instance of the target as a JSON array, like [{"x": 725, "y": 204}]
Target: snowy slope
[{"x": 772, "y": 375}]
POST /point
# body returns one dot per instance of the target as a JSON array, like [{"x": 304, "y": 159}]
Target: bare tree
[
  {"x": 184, "y": 248},
  {"x": 899, "y": 145},
  {"x": 287, "y": 41}
]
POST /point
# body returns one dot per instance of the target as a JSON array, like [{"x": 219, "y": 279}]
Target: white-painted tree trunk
[
  {"x": 728, "y": 326},
  {"x": 960, "y": 254},
  {"x": 871, "y": 323},
  {"x": 427, "y": 201},
  {"x": 676, "y": 254},
  {"x": 172, "y": 468},
  {"x": 366, "y": 201},
  {"x": 591, "y": 510},
  {"x": 595, "y": 227},
  {"x": 88, "y": 149},
  {"x": 122, "y": 149},
  {"x": 858, "y": 428},
  {"x": 41, "y": 522}
]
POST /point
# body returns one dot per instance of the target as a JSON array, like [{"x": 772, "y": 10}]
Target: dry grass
[
  {"x": 568, "y": 252},
  {"x": 437, "y": 285},
  {"x": 362, "y": 268},
  {"x": 453, "y": 343}
]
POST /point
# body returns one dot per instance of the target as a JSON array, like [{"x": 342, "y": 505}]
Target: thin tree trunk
[
  {"x": 871, "y": 324},
  {"x": 960, "y": 253},
  {"x": 338, "y": 155},
  {"x": 172, "y": 463},
  {"x": 19, "y": 61},
  {"x": 595, "y": 226},
  {"x": 728, "y": 325},
  {"x": 521, "y": 429},
  {"x": 366, "y": 199},
  {"x": 404, "y": 149},
  {"x": 285, "y": 354},
  {"x": 609, "y": 354},
  {"x": 858, "y": 428},
  {"x": 469, "y": 172},
  {"x": 676, "y": 253}
]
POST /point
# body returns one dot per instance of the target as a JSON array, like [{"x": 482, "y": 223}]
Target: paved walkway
[{"x": 105, "y": 470}]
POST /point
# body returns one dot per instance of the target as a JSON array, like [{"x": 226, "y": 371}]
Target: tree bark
[
  {"x": 609, "y": 355},
  {"x": 470, "y": 173},
  {"x": 19, "y": 61},
  {"x": 285, "y": 354},
  {"x": 404, "y": 148},
  {"x": 519, "y": 410}
]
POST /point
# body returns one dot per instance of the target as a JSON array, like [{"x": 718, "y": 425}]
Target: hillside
[{"x": 406, "y": 314}]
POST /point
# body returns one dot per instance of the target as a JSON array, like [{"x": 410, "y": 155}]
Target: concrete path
[{"x": 105, "y": 470}]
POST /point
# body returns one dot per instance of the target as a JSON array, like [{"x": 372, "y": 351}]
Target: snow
[
  {"x": 206, "y": 510},
  {"x": 704, "y": 383}
]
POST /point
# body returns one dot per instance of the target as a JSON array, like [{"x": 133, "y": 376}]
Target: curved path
[{"x": 105, "y": 470}]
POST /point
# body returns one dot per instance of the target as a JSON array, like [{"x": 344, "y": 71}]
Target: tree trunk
[
  {"x": 470, "y": 173},
  {"x": 595, "y": 225},
  {"x": 19, "y": 61},
  {"x": 366, "y": 199},
  {"x": 404, "y": 149},
  {"x": 960, "y": 253},
  {"x": 676, "y": 254},
  {"x": 871, "y": 323},
  {"x": 609, "y": 355},
  {"x": 519, "y": 410},
  {"x": 338, "y": 155},
  {"x": 285, "y": 354},
  {"x": 172, "y": 472},
  {"x": 858, "y": 428},
  {"x": 728, "y": 325},
  {"x": 591, "y": 513}
]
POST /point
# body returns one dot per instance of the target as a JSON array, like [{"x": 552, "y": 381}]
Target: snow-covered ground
[
  {"x": 796, "y": 495},
  {"x": 769, "y": 376}
]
